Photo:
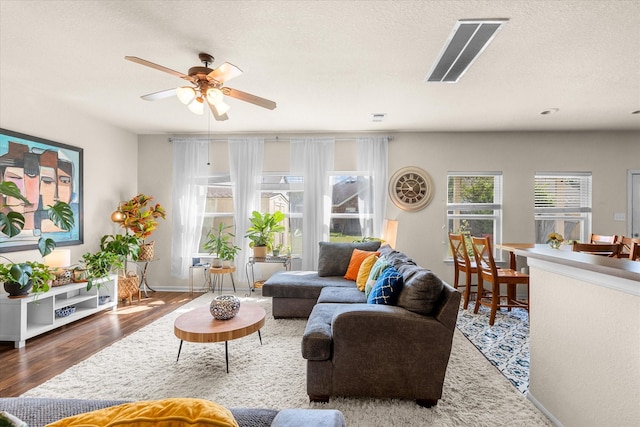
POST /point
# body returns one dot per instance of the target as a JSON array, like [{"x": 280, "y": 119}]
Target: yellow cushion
[
  {"x": 365, "y": 269},
  {"x": 354, "y": 265},
  {"x": 167, "y": 412}
]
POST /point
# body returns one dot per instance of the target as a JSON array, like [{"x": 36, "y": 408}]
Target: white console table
[{"x": 24, "y": 318}]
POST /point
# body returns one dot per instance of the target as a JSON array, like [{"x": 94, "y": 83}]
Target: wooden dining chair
[
  {"x": 488, "y": 272},
  {"x": 626, "y": 243},
  {"x": 462, "y": 263},
  {"x": 634, "y": 253},
  {"x": 609, "y": 250},
  {"x": 601, "y": 238}
]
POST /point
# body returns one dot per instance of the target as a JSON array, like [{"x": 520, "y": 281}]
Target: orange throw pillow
[{"x": 357, "y": 256}]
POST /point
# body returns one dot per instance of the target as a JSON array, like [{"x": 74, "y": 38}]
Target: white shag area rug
[{"x": 142, "y": 366}]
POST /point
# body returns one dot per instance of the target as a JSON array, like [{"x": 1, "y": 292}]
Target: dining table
[{"x": 512, "y": 247}]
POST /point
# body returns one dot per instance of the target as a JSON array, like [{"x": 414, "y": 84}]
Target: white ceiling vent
[{"x": 466, "y": 42}]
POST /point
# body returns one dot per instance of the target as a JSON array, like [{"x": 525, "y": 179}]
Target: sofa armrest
[
  {"x": 389, "y": 335},
  {"x": 447, "y": 312}
]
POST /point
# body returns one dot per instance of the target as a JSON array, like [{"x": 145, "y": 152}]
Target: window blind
[{"x": 562, "y": 193}]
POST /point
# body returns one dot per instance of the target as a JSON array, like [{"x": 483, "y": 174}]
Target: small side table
[
  {"x": 207, "y": 277},
  {"x": 269, "y": 259},
  {"x": 217, "y": 277},
  {"x": 143, "y": 266}
]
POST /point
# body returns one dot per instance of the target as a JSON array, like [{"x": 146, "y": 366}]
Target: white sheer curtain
[
  {"x": 245, "y": 167},
  {"x": 189, "y": 196},
  {"x": 313, "y": 158},
  {"x": 372, "y": 153}
]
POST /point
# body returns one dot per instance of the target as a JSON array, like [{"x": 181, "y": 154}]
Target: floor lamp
[{"x": 390, "y": 232}]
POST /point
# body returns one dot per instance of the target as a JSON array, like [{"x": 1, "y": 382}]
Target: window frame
[
  {"x": 582, "y": 214},
  {"x": 496, "y": 207}
]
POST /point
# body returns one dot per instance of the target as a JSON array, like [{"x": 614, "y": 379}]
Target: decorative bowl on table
[{"x": 224, "y": 307}]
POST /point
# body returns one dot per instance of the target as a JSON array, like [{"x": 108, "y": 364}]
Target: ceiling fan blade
[
  {"x": 214, "y": 111},
  {"x": 159, "y": 95},
  {"x": 158, "y": 67},
  {"x": 244, "y": 96},
  {"x": 224, "y": 72}
]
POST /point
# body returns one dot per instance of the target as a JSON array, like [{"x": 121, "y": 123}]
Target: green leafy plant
[
  {"x": 140, "y": 217},
  {"x": 124, "y": 245},
  {"x": 263, "y": 228},
  {"x": 221, "y": 243},
  {"x": 99, "y": 264},
  {"x": 29, "y": 271}
]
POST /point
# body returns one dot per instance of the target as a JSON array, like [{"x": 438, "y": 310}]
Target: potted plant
[
  {"x": 141, "y": 219},
  {"x": 20, "y": 278},
  {"x": 99, "y": 264},
  {"x": 262, "y": 231},
  {"x": 221, "y": 244}
]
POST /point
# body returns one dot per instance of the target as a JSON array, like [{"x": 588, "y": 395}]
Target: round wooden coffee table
[{"x": 198, "y": 325}]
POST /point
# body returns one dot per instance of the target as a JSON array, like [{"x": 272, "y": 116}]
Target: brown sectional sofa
[{"x": 357, "y": 349}]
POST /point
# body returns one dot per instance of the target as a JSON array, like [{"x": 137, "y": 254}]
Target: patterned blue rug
[{"x": 505, "y": 344}]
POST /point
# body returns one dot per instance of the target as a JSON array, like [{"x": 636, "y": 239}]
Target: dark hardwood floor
[{"x": 50, "y": 354}]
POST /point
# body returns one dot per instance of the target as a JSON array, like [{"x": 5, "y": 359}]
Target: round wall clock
[{"x": 411, "y": 188}]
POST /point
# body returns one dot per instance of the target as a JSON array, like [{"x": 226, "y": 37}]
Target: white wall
[
  {"x": 110, "y": 159},
  {"x": 422, "y": 234}
]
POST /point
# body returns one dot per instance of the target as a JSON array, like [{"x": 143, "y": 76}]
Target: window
[
  {"x": 278, "y": 192},
  {"x": 474, "y": 204},
  {"x": 562, "y": 205},
  {"x": 284, "y": 193},
  {"x": 218, "y": 207},
  {"x": 347, "y": 191}
]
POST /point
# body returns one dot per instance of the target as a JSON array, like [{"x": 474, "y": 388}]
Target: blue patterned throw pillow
[{"x": 387, "y": 288}]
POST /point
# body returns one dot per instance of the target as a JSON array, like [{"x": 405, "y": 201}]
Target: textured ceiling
[{"x": 330, "y": 64}]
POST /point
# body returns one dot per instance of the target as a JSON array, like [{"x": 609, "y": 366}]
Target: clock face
[{"x": 411, "y": 188}]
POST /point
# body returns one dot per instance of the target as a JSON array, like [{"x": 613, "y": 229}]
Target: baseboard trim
[{"x": 544, "y": 410}]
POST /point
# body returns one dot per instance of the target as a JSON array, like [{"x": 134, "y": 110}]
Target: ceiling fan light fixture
[
  {"x": 222, "y": 108},
  {"x": 185, "y": 94},
  {"x": 214, "y": 96},
  {"x": 197, "y": 106}
]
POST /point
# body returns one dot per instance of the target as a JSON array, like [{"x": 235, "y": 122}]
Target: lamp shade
[
  {"x": 185, "y": 94},
  {"x": 197, "y": 106},
  {"x": 214, "y": 96},
  {"x": 390, "y": 232},
  {"x": 117, "y": 216},
  {"x": 58, "y": 258}
]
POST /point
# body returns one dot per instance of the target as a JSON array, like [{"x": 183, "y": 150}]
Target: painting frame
[{"x": 46, "y": 171}]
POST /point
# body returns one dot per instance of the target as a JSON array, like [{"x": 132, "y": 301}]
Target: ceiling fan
[{"x": 207, "y": 87}]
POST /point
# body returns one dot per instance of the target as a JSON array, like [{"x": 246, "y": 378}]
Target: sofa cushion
[
  {"x": 365, "y": 270},
  {"x": 165, "y": 412},
  {"x": 376, "y": 270},
  {"x": 357, "y": 258},
  {"x": 341, "y": 295},
  {"x": 421, "y": 291},
  {"x": 387, "y": 288},
  {"x": 334, "y": 258},
  {"x": 301, "y": 284}
]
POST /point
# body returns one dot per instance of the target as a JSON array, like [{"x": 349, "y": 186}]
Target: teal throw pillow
[
  {"x": 376, "y": 270},
  {"x": 387, "y": 288}
]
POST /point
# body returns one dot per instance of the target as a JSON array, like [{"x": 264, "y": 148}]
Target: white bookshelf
[{"x": 24, "y": 318}]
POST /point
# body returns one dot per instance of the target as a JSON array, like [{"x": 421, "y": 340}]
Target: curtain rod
[{"x": 276, "y": 139}]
